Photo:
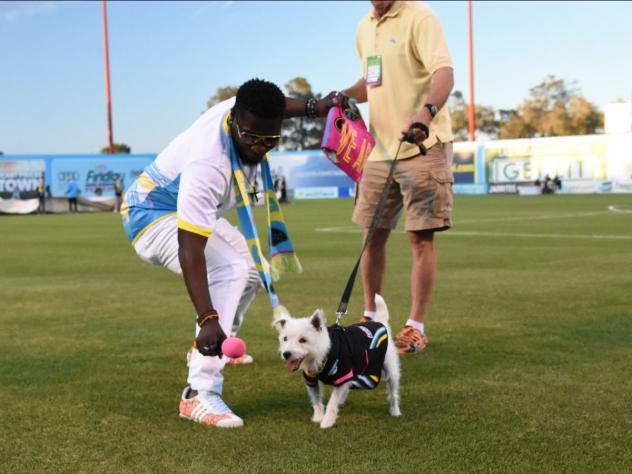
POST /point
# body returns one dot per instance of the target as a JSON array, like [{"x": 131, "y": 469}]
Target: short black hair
[{"x": 261, "y": 98}]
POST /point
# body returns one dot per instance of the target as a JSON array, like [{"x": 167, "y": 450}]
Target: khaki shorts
[{"x": 422, "y": 185}]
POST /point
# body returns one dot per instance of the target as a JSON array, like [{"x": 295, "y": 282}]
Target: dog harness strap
[
  {"x": 344, "y": 378},
  {"x": 309, "y": 379}
]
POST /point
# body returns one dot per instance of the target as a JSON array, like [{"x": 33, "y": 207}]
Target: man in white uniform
[{"x": 173, "y": 214}]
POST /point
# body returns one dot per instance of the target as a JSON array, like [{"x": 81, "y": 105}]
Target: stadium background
[{"x": 585, "y": 164}]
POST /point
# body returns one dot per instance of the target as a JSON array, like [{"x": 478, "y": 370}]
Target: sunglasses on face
[{"x": 252, "y": 139}]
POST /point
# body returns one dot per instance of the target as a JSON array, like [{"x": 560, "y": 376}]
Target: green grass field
[{"x": 529, "y": 367}]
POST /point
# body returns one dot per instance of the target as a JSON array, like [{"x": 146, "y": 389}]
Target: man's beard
[
  {"x": 251, "y": 160},
  {"x": 246, "y": 156}
]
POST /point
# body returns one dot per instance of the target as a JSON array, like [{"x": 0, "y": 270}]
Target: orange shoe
[
  {"x": 208, "y": 408},
  {"x": 410, "y": 340}
]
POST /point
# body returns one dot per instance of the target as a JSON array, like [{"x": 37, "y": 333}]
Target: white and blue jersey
[{"x": 190, "y": 178}]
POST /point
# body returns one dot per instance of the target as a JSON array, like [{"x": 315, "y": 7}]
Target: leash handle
[
  {"x": 410, "y": 138},
  {"x": 346, "y": 295}
]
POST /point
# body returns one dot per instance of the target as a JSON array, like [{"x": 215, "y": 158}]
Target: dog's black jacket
[{"x": 356, "y": 354}]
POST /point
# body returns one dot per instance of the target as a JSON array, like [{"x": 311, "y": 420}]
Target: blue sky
[{"x": 167, "y": 58}]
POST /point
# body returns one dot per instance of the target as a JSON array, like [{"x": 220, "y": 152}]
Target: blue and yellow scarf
[{"x": 282, "y": 256}]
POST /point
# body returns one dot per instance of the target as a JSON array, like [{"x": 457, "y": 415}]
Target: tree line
[{"x": 552, "y": 108}]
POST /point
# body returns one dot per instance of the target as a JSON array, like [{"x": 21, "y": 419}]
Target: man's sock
[
  {"x": 370, "y": 314},
  {"x": 417, "y": 325}
]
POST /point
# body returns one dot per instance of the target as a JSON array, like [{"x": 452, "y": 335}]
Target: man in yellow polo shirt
[{"x": 407, "y": 79}]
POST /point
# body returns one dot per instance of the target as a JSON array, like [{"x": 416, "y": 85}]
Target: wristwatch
[{"x": 432, "y": 108}]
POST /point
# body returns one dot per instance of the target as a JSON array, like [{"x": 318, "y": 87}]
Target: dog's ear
[
  {"x": 280, "y": 317},
  {"x": 318, "y": 319},
  {"x": 279, "y": 324}
]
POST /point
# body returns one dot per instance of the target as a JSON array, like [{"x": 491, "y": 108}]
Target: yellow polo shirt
[{"x": 412, "y": 46}]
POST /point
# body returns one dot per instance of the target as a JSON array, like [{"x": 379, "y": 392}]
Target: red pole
[
  {"x": 107, "y": 77},
  {"x": 472, "y": 102}
]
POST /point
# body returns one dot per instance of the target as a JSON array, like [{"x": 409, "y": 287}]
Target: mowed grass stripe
[{"x": 528, "y": 368}]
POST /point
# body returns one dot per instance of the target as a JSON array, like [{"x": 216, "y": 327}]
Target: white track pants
[{"x": 233, "y": 284}]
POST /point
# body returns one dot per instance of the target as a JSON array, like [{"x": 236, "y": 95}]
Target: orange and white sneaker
[
  {"x": 208, "y": 408},
  {"x": 410, "y": 340},
  {"x": 242, "y": 360}
]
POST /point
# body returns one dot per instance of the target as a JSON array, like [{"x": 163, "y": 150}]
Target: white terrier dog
[{"x": 346, "y": 357}]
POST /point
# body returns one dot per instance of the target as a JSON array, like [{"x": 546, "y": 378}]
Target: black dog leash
[{"x": 379, "y": 210}]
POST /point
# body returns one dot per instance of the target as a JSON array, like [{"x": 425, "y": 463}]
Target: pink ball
[{"x": 233, "y": 347}]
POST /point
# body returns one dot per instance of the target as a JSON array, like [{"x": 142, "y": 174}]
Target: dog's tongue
[{"x": 293, "y": 365}]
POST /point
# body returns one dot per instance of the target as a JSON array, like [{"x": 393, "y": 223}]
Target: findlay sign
[{"x": 95, "y": 177}]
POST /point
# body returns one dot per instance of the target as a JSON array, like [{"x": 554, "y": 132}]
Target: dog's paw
[
  {"x": 319, "y": 412},
  {"x": 328, "y": 422},
  {"x": 395, "y": 411}
]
